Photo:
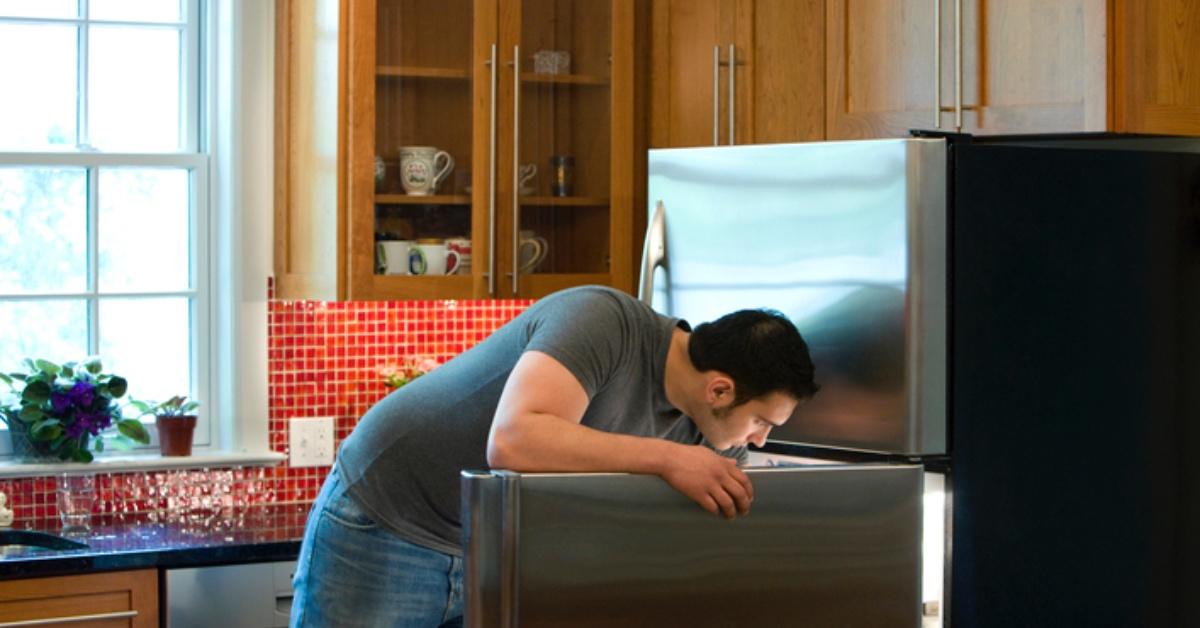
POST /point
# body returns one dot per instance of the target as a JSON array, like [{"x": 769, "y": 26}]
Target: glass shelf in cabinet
[
  {"x": 564, "y": 79},
  {"x": 414, "y": 71},
  {"x": 410, "y": 199},
  {"x": 564, "y": 201}
]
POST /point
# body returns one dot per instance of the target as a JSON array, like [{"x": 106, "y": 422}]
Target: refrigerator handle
[
  {"x": 654, "y": 252},
  {"x": 937, "y": 64},
  {"x": 732, "y": 89}
]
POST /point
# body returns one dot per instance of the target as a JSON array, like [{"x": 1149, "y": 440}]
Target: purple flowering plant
[{"x": 63, "y": 409}]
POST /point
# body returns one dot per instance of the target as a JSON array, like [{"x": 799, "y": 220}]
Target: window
[{"x": 105, "y": 191}]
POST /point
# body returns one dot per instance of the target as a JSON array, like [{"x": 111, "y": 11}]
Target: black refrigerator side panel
[{"x": 1074, "y": 387}]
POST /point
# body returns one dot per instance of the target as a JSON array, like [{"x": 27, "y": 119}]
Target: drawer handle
[{"x": 70, "y": 620}]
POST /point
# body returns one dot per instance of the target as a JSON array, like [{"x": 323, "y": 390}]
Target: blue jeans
[{"x": 351, "y": 572}]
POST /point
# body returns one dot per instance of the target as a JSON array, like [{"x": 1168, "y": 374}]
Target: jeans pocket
[{"x": 345, "y": 511}]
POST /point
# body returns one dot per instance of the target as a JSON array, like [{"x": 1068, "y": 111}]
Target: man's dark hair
[{"x": 760, "y": 349}]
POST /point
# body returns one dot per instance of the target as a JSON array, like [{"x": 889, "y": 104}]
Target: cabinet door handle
[
  {"x": 937, "y": 64},
  {"x": 71, "y": 619},
  {"x": 654, "y": 252},
  {"x": 491, "y": 269},
  {"x": 516, "y": 177},
  {"x": 958, "y": 73},
  {"x": 716, "y": 95},
  {"x": 732, "y": 89}
]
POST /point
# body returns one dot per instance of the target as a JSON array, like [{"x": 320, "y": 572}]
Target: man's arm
[{"x": 537, "y": 428}]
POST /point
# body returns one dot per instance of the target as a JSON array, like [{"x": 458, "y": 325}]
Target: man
[{"x": 587, "y": 379}]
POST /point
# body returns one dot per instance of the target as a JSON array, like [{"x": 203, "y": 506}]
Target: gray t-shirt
[{"x": 402, "y": 461}]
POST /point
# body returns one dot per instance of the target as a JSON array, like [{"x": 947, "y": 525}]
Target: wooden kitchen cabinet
[
  {"x": 1027, "y": 66},
  {"x": 778, "y": 75},
  {"x": 117, "y": 598},
  {"x": 477, "y": 79},
  {"x": 1157, "y": 74}
]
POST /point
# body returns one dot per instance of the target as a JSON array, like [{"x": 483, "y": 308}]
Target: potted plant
[
  {"x": 175, "y": 419},
  {"x": 60, "y": 411}
]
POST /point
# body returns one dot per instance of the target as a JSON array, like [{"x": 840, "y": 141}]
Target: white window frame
[{"x": 232, "y": 188}]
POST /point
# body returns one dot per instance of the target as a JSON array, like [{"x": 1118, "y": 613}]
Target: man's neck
[{"x": 680, "y": 378}]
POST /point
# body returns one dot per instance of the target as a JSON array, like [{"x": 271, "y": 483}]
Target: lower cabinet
[{"x": 115, "y": 598}]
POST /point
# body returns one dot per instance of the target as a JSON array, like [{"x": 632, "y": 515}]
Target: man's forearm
[{"x": 547, "y": 443}]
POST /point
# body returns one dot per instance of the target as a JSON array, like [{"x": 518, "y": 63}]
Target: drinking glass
[{"x": 76, "y": 498}]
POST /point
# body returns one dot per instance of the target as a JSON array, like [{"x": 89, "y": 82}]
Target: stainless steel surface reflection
[
  {"x": 831, "y": 545},
  {"x": 848, "y": 239}
]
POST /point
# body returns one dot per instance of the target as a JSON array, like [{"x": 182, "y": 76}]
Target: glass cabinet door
[
  {"x": 560, "y": 181},
  {"x": 423, "y": 148}
]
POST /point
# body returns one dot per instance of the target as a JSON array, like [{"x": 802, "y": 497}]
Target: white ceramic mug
[
  {"x": 391, "y": 257},
  {"x": 462, "y": 248},
  {"x": 431, "y": 257},
  {"x": 526, "y": 173},
  {"x": 531, "y": 250},
  {"x": 419, "y": 171}
]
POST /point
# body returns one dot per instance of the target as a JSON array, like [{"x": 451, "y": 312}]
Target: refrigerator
[{"x": 1018, "y": 315}]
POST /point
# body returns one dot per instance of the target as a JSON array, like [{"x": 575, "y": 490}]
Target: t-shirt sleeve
[{"x": 586, "y": 332}]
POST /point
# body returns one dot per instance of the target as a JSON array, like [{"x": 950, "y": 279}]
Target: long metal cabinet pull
[
  {"x": 654, "y": 252},
  {"x": 958, "y": 74},
  {"x": 716, "y": 95},
  {"x": 491, "y": 271},
  {"x": 732, "y": 88},
  {"x": 70, "y": 619},
  {"x": 516, "y": 176},
  {"x": 937, "y": 64}
]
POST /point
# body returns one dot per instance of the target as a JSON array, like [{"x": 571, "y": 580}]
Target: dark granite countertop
[{"x": 261, "y": 534}]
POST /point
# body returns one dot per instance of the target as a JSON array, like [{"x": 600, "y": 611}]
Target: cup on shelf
[
  {"x": 431, "y": 256},
  {"x": 461, "y": 247},
  {"x": 76, "y": 497},
  {"x": 420, "y": 173},
  {"x": 391, "y": 257},
  {"x": 525, "y": 181},
  {"x": 552, "y": 62},
  {"x": 531, "y": 250}
]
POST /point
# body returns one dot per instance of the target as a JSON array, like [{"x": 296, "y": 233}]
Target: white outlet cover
[{"x": 310, "y": 442}]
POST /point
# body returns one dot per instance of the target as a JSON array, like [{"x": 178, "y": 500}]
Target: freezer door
[
  {"x": 848, "y": 239},
  {"x": 831, "y": 545}
]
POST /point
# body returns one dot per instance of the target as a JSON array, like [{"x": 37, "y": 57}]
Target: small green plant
[
  {"x": 177, "y": 406},
  {"x": 63, "y": 409}
]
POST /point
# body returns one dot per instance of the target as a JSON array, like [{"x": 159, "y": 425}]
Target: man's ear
[{"x": 720, "y": 390}]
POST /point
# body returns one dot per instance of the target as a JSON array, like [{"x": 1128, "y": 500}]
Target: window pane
[
  {"x": 133, "y": 89},
  {"x": 39, "y": 81},
  {"x": 55, "y": 330},
  {"x": 135, "y": 10},
  {"x": 148, "y": 342},
  {"x": 43, "y": 230},
  {"x": 39, "y": 8},
  {"x": 143, "y": 226}
]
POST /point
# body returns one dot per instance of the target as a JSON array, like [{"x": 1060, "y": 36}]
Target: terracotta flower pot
[{"x": 175, "y": 434}]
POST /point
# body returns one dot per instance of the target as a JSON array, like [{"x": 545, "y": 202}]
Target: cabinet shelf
[
  {"x": 416, "y": 71},
  {"x": 436, "y": 199},
  {"x": 564, "y": 79},
  {"x": 563, "y": 201}
]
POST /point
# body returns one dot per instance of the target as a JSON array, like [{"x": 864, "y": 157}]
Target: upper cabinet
[
  {"x": 491, "y": 147},
  {"x": 1019, "y": 66},
  {"x": 736, "y": 72},
  {"x": 1157, "y": 73}
]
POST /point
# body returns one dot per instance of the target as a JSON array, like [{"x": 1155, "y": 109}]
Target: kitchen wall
[{"x": 323, "y": 360}]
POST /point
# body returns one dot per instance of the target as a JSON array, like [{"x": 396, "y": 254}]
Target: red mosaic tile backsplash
[{"x": 324, "y": 360}]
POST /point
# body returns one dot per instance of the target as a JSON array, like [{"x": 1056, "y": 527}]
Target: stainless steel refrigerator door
[
  {"x": 831, "y": 545},
  {"x": 848, "y": 239}
]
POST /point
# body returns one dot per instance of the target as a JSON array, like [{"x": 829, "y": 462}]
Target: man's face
[{"x": 733, "y": 426}]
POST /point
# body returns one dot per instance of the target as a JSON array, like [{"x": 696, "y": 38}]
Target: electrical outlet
[{"x": 310, "y": 442}]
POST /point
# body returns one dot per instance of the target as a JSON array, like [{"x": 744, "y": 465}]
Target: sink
[{"x": 23, "y": 539}]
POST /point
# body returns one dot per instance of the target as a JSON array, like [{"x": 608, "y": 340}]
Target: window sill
[{"x": 142, "y": 462}]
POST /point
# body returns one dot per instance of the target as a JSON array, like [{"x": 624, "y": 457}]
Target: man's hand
[{"x": 711, "y": 480}]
